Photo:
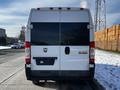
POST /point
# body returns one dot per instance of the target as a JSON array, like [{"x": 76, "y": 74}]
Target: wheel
[{"x": 36, "y": 82}]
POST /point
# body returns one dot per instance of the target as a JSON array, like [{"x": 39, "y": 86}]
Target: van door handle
[{"x": 67, "y": 50}]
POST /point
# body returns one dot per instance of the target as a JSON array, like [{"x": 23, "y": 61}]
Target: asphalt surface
[
  {"x": 12, "y": 76},
  {"x": 10, "y": 54}
]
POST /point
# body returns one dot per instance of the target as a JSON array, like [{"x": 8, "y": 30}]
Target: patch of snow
[
  {"x": 4, "y": 47},
  {"x": 107, "y": 70}
]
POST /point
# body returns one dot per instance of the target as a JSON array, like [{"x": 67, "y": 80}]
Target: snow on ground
[
  {"x": 4, "y": 47},
  {"x": 107, "y": 70}
]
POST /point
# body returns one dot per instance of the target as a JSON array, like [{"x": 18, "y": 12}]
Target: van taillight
[
  {"x": 27, "y": 44},
  {"x": 92, "y": 44},
  {"x": 27, "y": 60},
  {"x": 27, "y": 51},
  {"x": 92, "y": 52}
]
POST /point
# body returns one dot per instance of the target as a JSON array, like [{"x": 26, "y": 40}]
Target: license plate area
[{"x": 45, "y": 60}]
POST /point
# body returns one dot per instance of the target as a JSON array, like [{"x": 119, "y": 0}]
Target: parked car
[
  {"x": 15, "y": 46},
  {"x": 21, "y": 44}
]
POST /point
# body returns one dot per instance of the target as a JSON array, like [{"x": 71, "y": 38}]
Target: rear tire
[{"x": 36, "y": 82}]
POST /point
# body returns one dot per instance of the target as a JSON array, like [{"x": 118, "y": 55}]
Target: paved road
[
  {"x": 10, "y": 54},
  {"x": 19, "y": 82},
  {"x": 12, "y": 76}
]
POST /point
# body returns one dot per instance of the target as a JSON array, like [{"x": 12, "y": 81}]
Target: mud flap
[{"x": 28, "y": 72}]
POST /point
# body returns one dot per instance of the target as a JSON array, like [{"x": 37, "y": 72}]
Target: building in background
[
  {"x": 2, "y": 36},
  {"x": 12, "y": 40}
]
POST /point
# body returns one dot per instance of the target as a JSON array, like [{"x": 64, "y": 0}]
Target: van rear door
[
  {"x": 45, "y": 46},
  {"x": 75, "y": 46}
]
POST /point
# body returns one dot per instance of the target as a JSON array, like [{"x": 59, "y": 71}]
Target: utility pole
[{"x": 100, "y": 15}]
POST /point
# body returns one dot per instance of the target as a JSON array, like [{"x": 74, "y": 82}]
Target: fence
[{"x": 108, "y": 39}]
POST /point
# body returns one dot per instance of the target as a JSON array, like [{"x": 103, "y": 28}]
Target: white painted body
[{"x": 74, "y": 61}]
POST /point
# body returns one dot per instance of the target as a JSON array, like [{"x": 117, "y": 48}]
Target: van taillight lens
[
  {"x": 27, "y": 60},
  {"x": 27, "y": 44},
  {"x": 27, "y": 51},
  {"x": 92, "y": 44},
  {"x": 92, "y": 52}
]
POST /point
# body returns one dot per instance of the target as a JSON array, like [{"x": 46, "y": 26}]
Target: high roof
[
  {"x": 60, "y": 14},
  {"x": 60, "y": 8}
]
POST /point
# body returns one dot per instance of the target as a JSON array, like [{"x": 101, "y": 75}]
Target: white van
[{"x": 59, "y": 44}]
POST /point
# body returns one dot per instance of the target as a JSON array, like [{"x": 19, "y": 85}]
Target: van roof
[
  {"x": 68, "y": 14},
  {"x": 60, "y": 8}
]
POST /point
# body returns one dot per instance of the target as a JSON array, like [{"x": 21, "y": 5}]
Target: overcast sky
[{"x": 14, "y": 13}]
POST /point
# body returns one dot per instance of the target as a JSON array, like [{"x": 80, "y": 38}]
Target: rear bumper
[{"x": 58, "y": 75}]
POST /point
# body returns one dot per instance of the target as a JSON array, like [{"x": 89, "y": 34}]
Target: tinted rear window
[
  {"x": 74, "y": 34},
  {"x": 45, "y": 34},
  {"x": 60, "y": 34}
]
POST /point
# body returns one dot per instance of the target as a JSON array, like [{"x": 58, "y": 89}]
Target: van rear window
[
  {"x": 74, "y": 34},
  {"x": 60, "y": 34},
  {"x": 45, "y": 34}
]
